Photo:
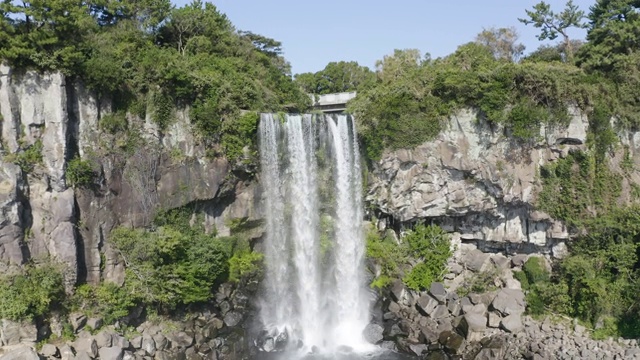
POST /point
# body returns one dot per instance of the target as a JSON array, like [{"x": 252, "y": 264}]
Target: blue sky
[{"x": 315, "y": 33}]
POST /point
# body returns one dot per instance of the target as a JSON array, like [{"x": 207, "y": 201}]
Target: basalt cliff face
[
  {"x": 42, "y": 215},
  {"x": 482, "y": 185},
  {"x": 473, "y": 179}
]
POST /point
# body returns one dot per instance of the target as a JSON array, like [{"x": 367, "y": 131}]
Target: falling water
[{"x": 314, "y": 246}]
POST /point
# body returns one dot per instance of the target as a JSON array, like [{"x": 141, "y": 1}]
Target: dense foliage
[
  {"x": 31, "y": 293},
  {"x": 177, "y": 264},
  {"x": 337, "y": 77},
  {"x": 414, "y": 95},
  {"x": 428, "y": 246},
  {"x": 152, "y": 56}
]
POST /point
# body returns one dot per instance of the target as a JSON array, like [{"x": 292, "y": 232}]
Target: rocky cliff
[
  {"x": 42, "y": 215},
  {"x": 481, "y": 184}
]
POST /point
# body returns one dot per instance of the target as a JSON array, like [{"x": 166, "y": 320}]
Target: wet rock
[
  {"x": 232, "y": 318},
  {"x": 451, "y": 341},
  {"x": 373, "y": 333}
]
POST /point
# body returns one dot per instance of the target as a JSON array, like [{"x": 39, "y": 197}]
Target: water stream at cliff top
[{"x": 314, "y": 289}]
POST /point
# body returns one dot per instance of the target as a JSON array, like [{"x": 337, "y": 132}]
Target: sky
[{"x": 314, "y": 33}]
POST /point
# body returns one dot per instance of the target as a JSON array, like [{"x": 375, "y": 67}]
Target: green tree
[
  {"x": 552, "y": 24},
  {"x": 337, "y": 77},
  {"x": 614, "y": 33}
]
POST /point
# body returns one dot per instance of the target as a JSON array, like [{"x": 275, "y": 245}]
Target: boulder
[
  {"x": 94, "y": 323},
  {"x": 373, "y": 333},
  {"x": 418, "y": 349},
  {"x": 512, "y": 323},
  {"x": 148, "y": 345},
  {"x": 111, "y": 353},
  {"x": 232, "y": 318},
  {"x": 438, "y": 291},
  {"x": 83, "y": 355},
  {"x": 136, "y": 342},
  {"x": 476, "y": 260},
  {"x": 398, "y": 291},
  {"x": 49, "y": 350},
  {"x": 21, "y": 353},
  {"x": 162, "y": 342},
  {"x": 14, "y": 333},
  {"x": 87, "y": 345},
  {"x": 492, "y": 348},
  {"x": 77, "y": 321},
  {"x": 519, "y": 260},
  {"x": 440, "y": 312},
  {"x": 509, "y": 301},
  {"x": 454, "y": 307},
  {"x": 66, "y": 352},
  {"x": 451, "y": 341},
  {"x": 180, "y": 339},
  {"x": 500, "y": 261},
  {"x": 120, "y": 341},
  {"x": 104, "y": 339},
  {"x": 473, "y": 325},
  {"x": 494, "y": 319},
  {"x": 426, "y": 304}
]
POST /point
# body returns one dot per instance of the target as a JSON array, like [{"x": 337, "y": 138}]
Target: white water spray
[{"x": 314, "y": 245}]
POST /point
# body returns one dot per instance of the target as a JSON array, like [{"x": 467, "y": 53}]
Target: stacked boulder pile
[
  {"x": 438, "y": 321},
  {"x": 206, "y": 335},
  {"x": 440, "y": 324}
]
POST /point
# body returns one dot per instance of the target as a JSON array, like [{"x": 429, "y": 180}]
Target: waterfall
[{"x": 314, "y": 245}]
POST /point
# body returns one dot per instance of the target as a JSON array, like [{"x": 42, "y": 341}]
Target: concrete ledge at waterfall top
[{"x": 332, "y": 102}]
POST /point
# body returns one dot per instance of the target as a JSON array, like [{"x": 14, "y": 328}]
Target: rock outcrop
[
  {"x": 480, "y": 183},
  {"x": 42, "y": 216}
]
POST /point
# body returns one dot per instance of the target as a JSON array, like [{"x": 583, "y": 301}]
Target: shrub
[
  {"x": 535, "y": 270},
  {"x": 171, "y": 266},
  {"x": 245, "y": 264},
  {"x": 79, "y": 172},
  {"x": 238, "y": 134},
  {"x": 32, "y": 293},
  {"x": 385, "y": 253},
  {"x": 114, "y": 123},
  {"x": 107, "y": 300},
  {"x": 28, "y": 158},
  {"x": 431, "y": 245}
]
